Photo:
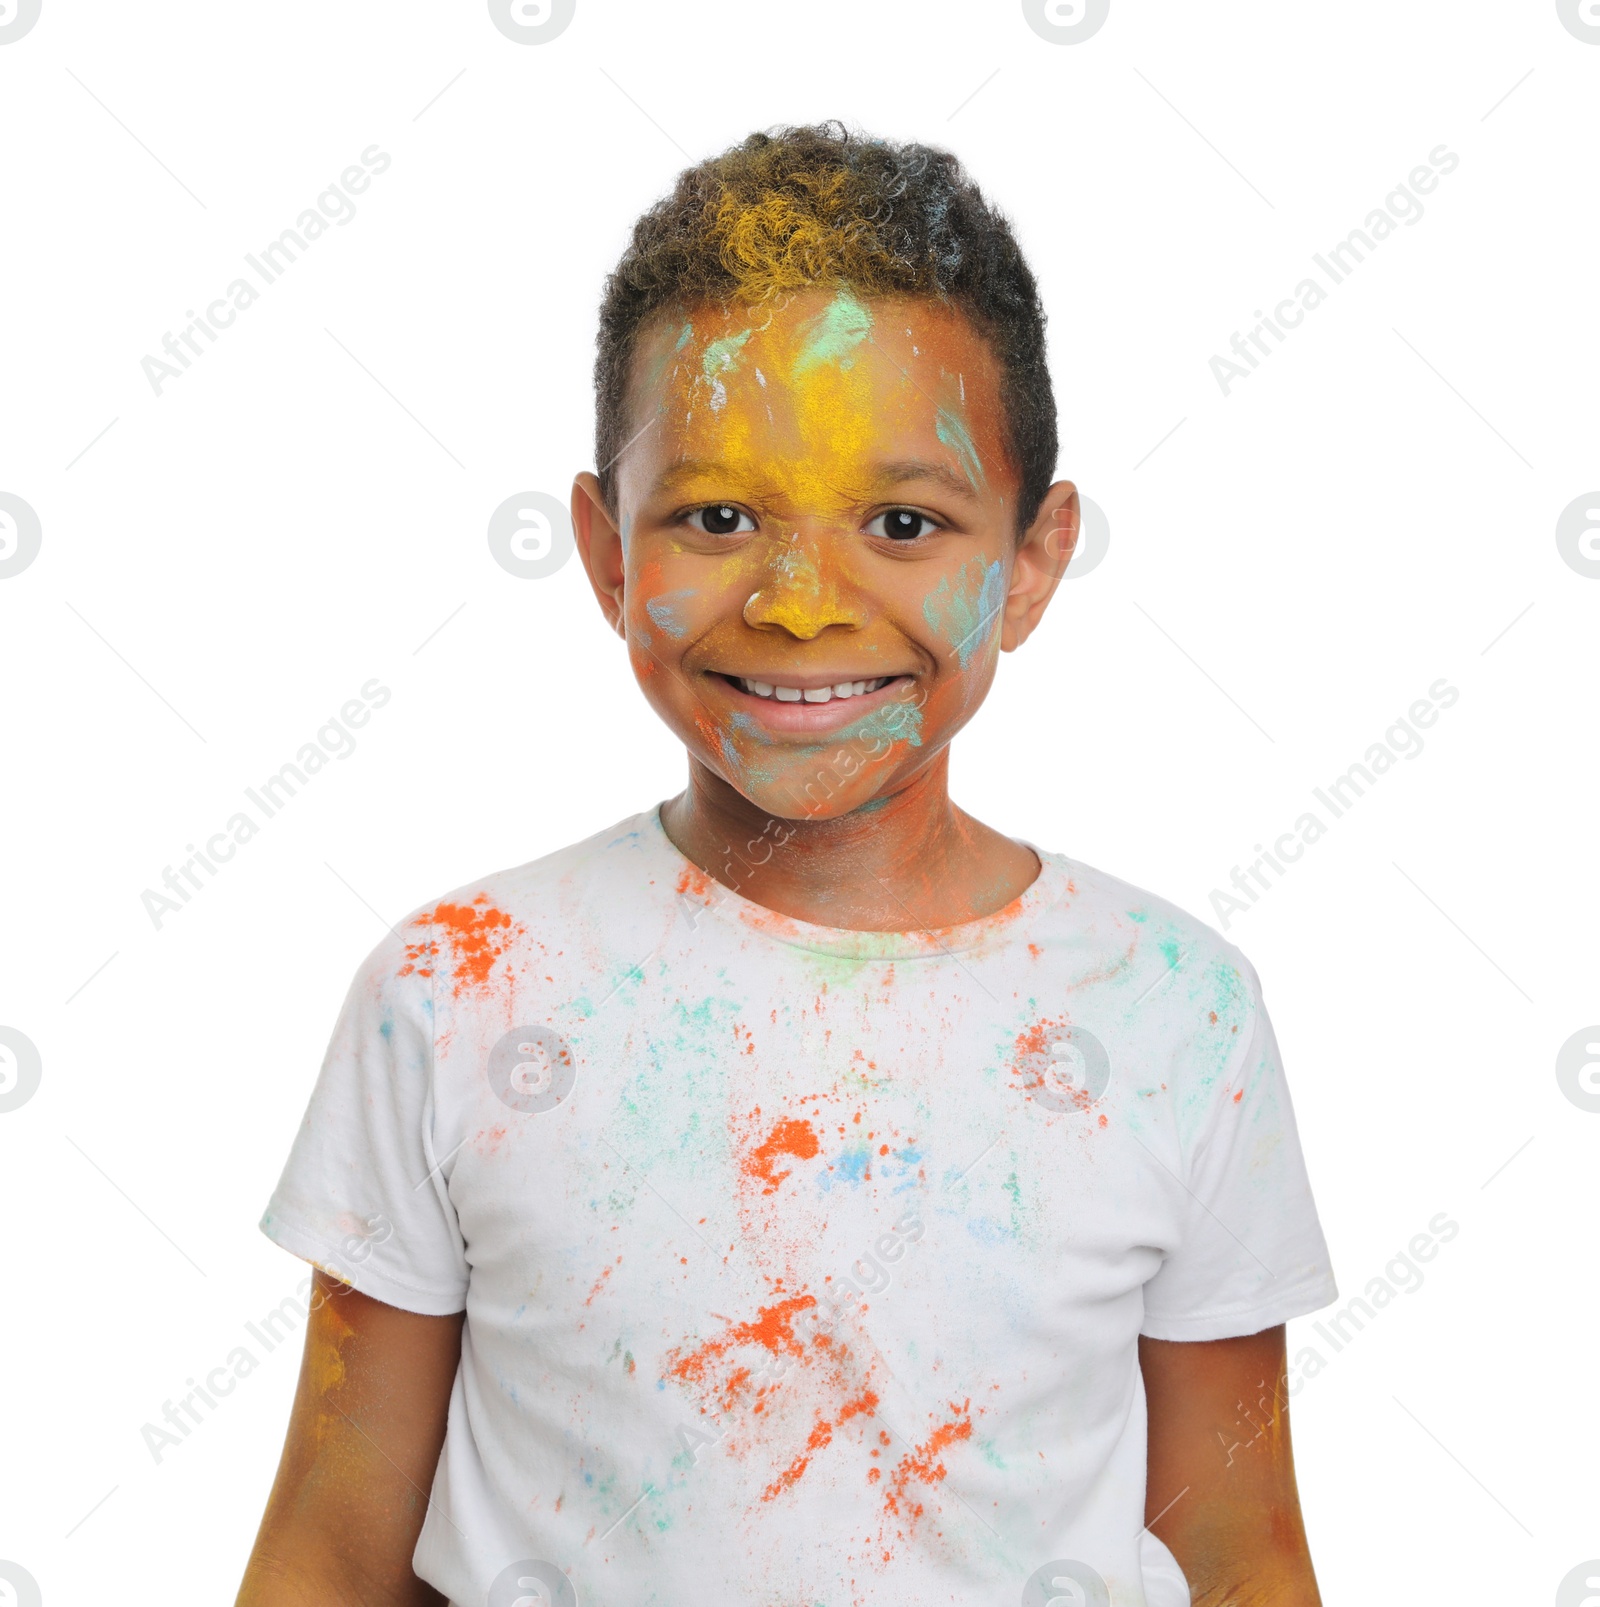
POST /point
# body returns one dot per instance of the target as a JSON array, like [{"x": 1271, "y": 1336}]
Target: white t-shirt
[{"x": 803, "y": 1267}]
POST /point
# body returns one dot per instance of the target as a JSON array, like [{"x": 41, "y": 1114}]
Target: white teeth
[{"x": 813, "y": 694}]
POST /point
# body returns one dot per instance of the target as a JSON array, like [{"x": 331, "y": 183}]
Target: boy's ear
[
  {"x": 1042, "y": 557},
  {"x": 600, "y": 547}
]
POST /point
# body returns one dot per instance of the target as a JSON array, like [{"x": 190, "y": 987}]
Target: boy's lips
[{"x": 803, "y": 714}]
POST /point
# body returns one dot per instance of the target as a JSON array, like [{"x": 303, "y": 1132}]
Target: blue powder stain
[
  {"x": 386, "y": 1026},
  {"x": 987, "y": 1232},
  {"x": 851, "y": 1167},
  {"x": 964, "y": 620},
  {"x": 685, "y": 336},
  {"x": 663, "y": 610},
  {"x": 993, "y": 596}
]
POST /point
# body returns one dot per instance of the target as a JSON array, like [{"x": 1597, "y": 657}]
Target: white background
[{"x": 1290, "y": 568}]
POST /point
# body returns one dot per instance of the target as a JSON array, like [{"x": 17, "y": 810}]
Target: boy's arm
[
  {"x": 1221, "y": 1493},
  {"x": 364, "y": 1439}
]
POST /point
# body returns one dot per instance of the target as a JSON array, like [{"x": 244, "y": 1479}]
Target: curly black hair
[{"x": 823, "y": 205}]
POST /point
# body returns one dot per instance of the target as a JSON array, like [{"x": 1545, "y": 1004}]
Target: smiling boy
[{"x": 802, "y": 1193}]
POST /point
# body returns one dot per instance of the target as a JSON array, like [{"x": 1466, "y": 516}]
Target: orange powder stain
[
  {"x": 694, "y": 880},
  {"x": 1033, "y": 1058},
  {"x": 478, "y": 934},
  {"x": 821, "y": 1435},
  {"x": 923, "y": 1464},
  {"x": 1238, "y": 1096},
  {"x": 788, "y": 1137},
  {"x": 772, "y": 1329},
  {"x": 710, "y": 734},
  {"x": 599, "y": 1283}
]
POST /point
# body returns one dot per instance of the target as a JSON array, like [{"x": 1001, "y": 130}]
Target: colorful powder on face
[
  {"x": 953, "y": 432},
  {"x": 892, "y": 722},
  {"x": 718, "y": 359},
  {"x": 663, "y": 611},
  {"x": 832, "y": 336},
  {"x": 788, "y": 1137},
  {"x": 964, "y": 614}
]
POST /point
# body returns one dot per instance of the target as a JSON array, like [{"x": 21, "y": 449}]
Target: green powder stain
[
  {"x": 719, "y": 359},
  {"x": 833, "y": 335},
  {"x": 952, "y": 430},
  {"x": 893, "y": 722},
  {"x": 720, "y": 354},
  {"x": 964, "y": 613},
  {"x": 1169, "y": 948},
  {"x": 1014, "y": 1189},
  {"x": 661, "y": 357}
]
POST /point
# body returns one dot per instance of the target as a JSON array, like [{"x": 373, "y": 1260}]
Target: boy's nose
[{"x": 802, "y": 591}]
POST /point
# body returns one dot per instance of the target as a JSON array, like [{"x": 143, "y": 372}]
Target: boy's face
[{"x": 815, "y": 561}]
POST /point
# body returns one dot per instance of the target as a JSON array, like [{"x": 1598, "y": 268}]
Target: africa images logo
[
  {"x": 16, "y": 18},
  {"x": 532, "y": 22}
]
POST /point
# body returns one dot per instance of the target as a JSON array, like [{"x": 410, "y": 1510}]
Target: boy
[{"x": 801, "y": 1193}]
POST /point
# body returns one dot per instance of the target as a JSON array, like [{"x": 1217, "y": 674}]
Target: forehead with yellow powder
[{"x": 801, "y": 404}]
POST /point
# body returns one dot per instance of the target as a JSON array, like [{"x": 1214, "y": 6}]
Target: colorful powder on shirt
[
  {"x": 788, "y": 1137},
  {"x": 478, "y": 936}
]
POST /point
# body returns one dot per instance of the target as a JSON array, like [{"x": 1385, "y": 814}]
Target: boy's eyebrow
[
  {"x": 898, "y": 473},
  {"x": 885, "y": 475}
]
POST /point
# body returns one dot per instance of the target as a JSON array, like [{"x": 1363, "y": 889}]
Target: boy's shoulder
[
  {"x": 600, "y": 874},
  {"x": 1101, "y": 901},
  {"x": 626, "y": 853}
]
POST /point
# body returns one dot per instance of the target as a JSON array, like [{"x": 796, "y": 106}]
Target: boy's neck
[{"x": 910, "y": 861}]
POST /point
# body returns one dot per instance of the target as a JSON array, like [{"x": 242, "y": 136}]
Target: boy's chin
[{"x": 808, "y": 795}]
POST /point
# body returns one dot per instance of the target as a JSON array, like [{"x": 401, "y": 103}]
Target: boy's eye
[
  {"x": 901, "y": 524},
  {"x": 721, "y": 519}
]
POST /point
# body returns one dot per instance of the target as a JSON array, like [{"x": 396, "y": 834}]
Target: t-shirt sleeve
[
  {"x": 1252, "y": 1253},
  {"x": 362, "y": 1195}
]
